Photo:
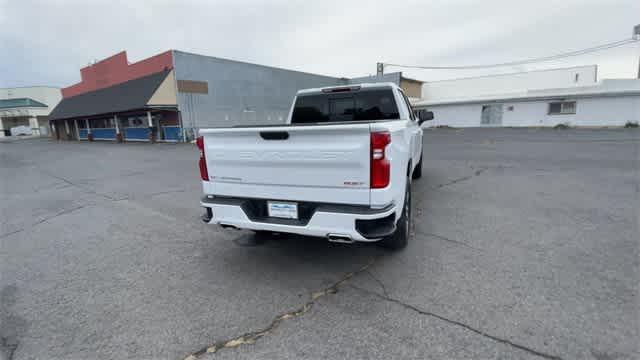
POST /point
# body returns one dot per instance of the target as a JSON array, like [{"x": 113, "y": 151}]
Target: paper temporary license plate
[{"x": 285, "y": 210}]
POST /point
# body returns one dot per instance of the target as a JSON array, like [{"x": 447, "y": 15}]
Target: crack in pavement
[
  {"x": 464, "y": 178},
  {"x": 250, "y": 338},
  {"x": 63, "y": 212},
  {"x": 458, "y": 242},
  {"x": 380, "y": 283},
  {"x": 43, "y": 220},
  {"x": 2, "y": 236},
  {"x": 459, "y": 324},
  {"x": 9, "y": 348},
  {"x": 85, "y": 189},
  {"x": 166, "y": 192}
]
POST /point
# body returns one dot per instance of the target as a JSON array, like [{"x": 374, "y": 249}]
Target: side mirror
[{"x": 424, "y": 115}]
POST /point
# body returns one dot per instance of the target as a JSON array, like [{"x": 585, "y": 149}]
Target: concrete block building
[
  {"x": 571, "y": 96},
  {"x": 169, "y": 96},
  {"x": 25, "y": 110}
]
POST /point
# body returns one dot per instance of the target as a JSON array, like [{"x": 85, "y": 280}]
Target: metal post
[
  {"x": 636, "y": 36},
  {"x": 184, "y": 136},
  {"x": 152, "y": 135},
  {"x": 66, "y": 130},
  {"x": 89, "y": 134},
  {"x": 119, "y": 137},
  {"x": 75, "y": 122}
]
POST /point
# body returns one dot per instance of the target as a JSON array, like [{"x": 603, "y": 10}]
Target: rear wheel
[
  {"x": 400, "y": 237},
  {"x": 417, "y": 173}
]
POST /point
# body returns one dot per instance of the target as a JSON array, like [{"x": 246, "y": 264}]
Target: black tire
[
  {"x": 400, "y": 238},
  {"x": 417, "y": 173}
]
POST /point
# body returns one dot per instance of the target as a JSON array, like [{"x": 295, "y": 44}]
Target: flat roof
[
  {"x": 513, "y": 73},
  {"x": 410, "y": 79},
  {"x": 259, "y": 65},
  {"x": 605, "y": 88}
]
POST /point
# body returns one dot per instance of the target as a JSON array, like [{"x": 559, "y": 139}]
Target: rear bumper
[{"x": 322, "y": 219}]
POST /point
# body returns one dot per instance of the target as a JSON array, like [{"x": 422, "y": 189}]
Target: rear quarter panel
[{"x": 398, "y": 154}]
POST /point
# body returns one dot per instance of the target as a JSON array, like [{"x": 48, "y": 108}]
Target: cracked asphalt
[{"x": 525, "y": 246}]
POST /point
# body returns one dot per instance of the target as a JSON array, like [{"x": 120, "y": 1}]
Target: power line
[{"x": 602, "y": 47}]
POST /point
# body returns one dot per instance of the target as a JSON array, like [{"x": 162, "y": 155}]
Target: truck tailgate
[{"x": 319, "y": 163}]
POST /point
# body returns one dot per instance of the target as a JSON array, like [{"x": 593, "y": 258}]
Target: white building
[
  {"x": 571, "y": 96},
  {"x": 24, "y": 111}
]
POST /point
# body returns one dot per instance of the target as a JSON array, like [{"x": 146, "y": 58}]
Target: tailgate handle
[{"x": 274, "y": 135}]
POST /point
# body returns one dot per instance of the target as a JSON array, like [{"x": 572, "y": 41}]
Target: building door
[{"x": 491, "y": 115}]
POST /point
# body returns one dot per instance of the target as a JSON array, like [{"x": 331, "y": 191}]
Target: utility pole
[{"x": 636, "y": 35}]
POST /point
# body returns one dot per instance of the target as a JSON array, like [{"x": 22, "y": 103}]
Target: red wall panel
[{"x": 115, "y": 70}]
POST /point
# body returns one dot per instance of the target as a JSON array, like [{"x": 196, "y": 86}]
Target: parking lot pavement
[{"x": 525, "y": 245}]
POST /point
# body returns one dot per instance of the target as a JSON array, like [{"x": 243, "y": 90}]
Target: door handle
[{"x": 274, "y": 135}]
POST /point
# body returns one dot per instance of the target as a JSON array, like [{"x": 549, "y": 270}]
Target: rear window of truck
[{"x": 363, "y": 105}]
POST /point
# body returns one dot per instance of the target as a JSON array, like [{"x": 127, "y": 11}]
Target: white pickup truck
[{"x": 340, "y": 168}]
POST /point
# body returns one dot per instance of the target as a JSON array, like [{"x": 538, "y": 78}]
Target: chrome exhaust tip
[{"x": 340, "y": 238}]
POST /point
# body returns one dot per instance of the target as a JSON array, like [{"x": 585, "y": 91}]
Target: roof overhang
[
  {"x": 132, "y": 96},
  {"x": 152, "y": 109}
]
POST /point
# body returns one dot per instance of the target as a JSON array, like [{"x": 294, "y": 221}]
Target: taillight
[
  {"x": 204, "y": 174},
  {"x": 380, "y": 168}
]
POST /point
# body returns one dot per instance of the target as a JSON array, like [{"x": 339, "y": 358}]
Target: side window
[
  {"x": 562, "y": 108},
  {"x": 407, "y": 104}
]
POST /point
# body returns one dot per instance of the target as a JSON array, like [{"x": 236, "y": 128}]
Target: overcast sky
[{"x": 47, "y": 42}]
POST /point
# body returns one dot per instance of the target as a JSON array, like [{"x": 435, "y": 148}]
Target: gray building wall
[{"x": 238, "y": 93}]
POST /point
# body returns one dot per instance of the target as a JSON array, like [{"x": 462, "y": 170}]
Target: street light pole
[{"x": 636, "y": 35}]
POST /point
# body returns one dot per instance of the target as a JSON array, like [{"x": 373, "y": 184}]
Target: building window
[
  {"x": 136, "y": 122},
  {"x": 100, "y": 123},
  {"x": 562, "y": 108}
]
